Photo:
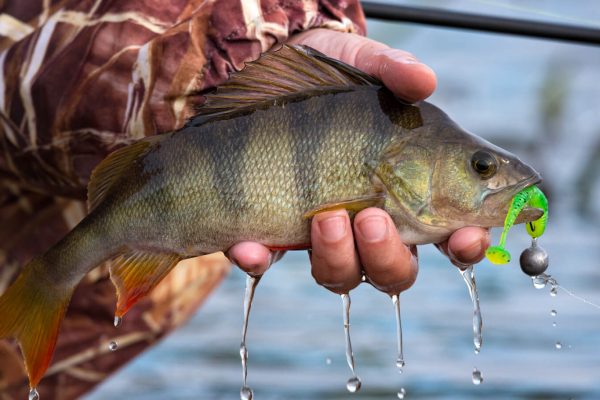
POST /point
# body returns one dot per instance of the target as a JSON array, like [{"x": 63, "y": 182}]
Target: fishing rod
[{"x": 479, "y": 22}]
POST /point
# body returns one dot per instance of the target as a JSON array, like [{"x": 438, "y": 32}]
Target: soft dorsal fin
[
  {"x": 288, "y": 71},
  {"x": 111, "y": 168}
]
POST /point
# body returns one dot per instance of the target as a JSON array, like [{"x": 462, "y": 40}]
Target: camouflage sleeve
[{"x": 80, "y": 78}]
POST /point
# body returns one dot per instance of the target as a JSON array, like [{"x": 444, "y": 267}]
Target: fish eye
[{"x": 484, "y": 164}]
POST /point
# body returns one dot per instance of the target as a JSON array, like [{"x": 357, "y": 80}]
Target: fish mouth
[
  {"x": 528, "y": 214},
  {"x": 500, "y": 201},
  {"x": 527, "y": 182}
]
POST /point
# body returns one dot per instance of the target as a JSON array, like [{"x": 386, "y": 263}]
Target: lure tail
[{"x": 31, "y": 311}]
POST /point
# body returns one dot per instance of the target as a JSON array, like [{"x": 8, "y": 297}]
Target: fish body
[{"x": 292, "y": 135}]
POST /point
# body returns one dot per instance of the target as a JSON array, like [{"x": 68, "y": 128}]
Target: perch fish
[{"x": 293, "y": 134}]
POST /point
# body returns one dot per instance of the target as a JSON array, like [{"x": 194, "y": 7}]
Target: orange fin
[
  {"x": 31, "y": 311},
  {"x": 354, "y": 205},
  {"x": 108, "y": 172},
  {"x": 136, "y": 273}
]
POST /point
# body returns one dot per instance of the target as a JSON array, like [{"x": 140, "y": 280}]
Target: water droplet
[
  {"x": 113, "y": 346},
  {"x": 477, "y": 378},
  {"x": 400, "y": 364},
  {"x": 251, "y": 283},
  {"x": 363, "y": 278},
  {"x": 34, "y": 395},
  {"x": 469, "y": 278},
  {"x": 400, "y": 359},
  {"x": 328, "y": 361},
  {"x": 539, "y": 282},
  {"x": 246, "y": 393},
  {"x": 117, "y": 321},
  {"x": 553, "y": 291},
  {"x": 558, "y": 345},
  {"x": 554, "y": 324},
  {"x": 353, "y": 384},
  {"x": 553, "y": 313},
  {"x": 401, "y": 393}
]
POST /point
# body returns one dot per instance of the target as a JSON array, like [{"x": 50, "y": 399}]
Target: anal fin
[
  {"x": 353, "y": 205},
  {"x": 135, "y": 273}
]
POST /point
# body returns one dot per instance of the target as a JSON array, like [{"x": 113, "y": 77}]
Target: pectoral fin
[
  {"x": 136, "y": 273},
  {"x": 354, "y": 205}
]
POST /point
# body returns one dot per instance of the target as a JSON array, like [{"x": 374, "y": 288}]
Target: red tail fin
[{"x": 31, "y": 311}]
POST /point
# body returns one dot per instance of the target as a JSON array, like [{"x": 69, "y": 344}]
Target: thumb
[{"x": 399, "y": 70}]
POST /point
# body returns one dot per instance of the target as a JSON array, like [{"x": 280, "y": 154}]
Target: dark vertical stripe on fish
[
  {"x": 230, "y": 137},
  {"x": 308, "y": 129}
]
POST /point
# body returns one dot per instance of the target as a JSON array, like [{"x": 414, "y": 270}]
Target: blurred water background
[{"x": 540, "y": 100}]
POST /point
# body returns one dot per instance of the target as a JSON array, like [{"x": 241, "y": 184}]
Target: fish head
[
  {"x": 446, "y": 178},
  {"x": 476, "y": 181}
]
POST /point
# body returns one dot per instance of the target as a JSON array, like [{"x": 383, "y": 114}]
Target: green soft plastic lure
[{"x": 532, "y": 197}]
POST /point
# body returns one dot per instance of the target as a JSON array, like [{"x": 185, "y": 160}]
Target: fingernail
[
  {"x": 409, "y": 60},
  {"x": 403, "y": 58},
  {"x": 332, "y": 228},
  {"x": 468, "y": 254},
  {"x": 373, "y": 229}
]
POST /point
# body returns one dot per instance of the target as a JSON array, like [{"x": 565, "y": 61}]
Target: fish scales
[
  {"x": 251, "y": 178},
  {"x": 294, "y": 134}
]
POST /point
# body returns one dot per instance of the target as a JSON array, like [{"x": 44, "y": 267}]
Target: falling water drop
[
  {"x": 400, "y": 359},
  {"x": 117, "y": 321},
  {"x": 251, "y": 283},
  {"x": 354, "y": 383},
  {"x": 477, "y": 378},
  {"x": 554, "y": 324},
  {"x": 554, "y": 291},
  {"x": 553, "y": 313},
  {"x": 113, "y": 346},
  {"x": 246, "y": 393},
  {"x": 328, "y": 361},
  {"x": 469, "y": 277},
  {"x": 401, "y": 393},
  {"x": 400, "y": 364},
  {"x": 558, "y": 345},
  {"x": 33, "y": 394}
]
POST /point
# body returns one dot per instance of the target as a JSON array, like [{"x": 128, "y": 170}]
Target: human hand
[{"x": 336, "y": 261}]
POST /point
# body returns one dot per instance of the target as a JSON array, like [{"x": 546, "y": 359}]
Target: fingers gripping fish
[{"x": 293, "y": 134}]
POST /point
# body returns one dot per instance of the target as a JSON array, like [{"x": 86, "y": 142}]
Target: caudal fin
[{"x": 31, "y": 311}]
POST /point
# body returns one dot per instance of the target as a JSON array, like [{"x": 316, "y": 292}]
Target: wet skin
[{"x": 337, "y": 263}]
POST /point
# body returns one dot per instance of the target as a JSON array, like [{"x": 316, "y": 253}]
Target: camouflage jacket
[{"x": 80, "y": 78}]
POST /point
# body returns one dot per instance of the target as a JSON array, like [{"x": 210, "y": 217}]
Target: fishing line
[
  {"x": 582, "y": 299},
  {"x": 554, "y": 283}
]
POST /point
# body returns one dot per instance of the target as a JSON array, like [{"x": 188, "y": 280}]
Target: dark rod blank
[{"x": 454, "y": 19}]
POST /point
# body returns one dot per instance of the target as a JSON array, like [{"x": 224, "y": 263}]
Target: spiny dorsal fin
[
  {"x": 135, "y": 273},
  {"x": 291, "y": 70},
  {"x": 111, "y": 168}
]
